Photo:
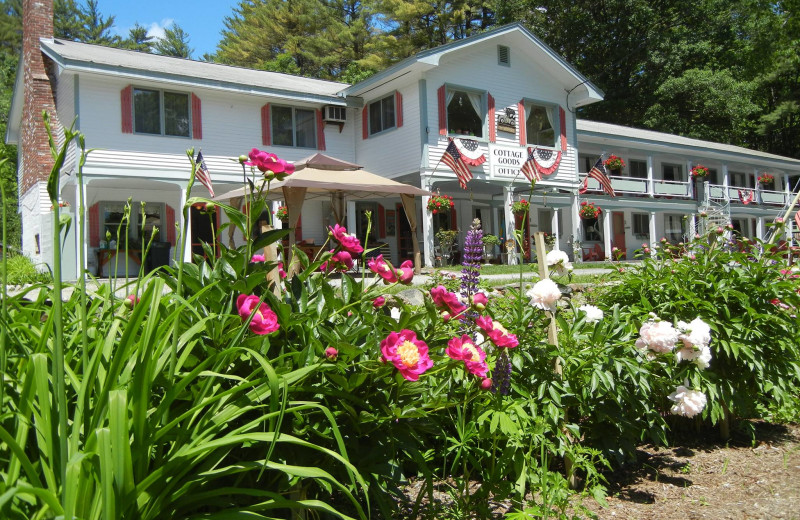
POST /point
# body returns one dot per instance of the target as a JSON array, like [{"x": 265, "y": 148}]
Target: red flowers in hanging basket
[
  {"x": 699, "y": 172},
  {"x": 520, "y": 207},
  {"x": 282, "y": 213},
  {"x": 440, "y": 203},
  {"x": 766, "y": 178},
  {"x": 588, "y": 210},
  {"x": 614, "y": 162}
]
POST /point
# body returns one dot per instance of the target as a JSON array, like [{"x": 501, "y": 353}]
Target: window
[
  {"x": 591, "y": 230},
  {"x": 111, "y": 218},
  {"x": 464, "y": 113},
  {"x": 672, "y": 172},
  {"x": 741, "y": 227},
  {"x": 638, "y": 169},
  {"x": 161, "y": 113},
  {"x": 738, "y": 179},
  {"x": 713, "y": 176},
  {"x": 381, "y": 115},
  {"x": 641, "y": 225},
  {"x": 673, "y": 228},
  {"x": 586, "y": 162},
  {"x": 293, "y": 127},
  {"x": 541, "y": 125},
  {"x": 544, "y": 220}
]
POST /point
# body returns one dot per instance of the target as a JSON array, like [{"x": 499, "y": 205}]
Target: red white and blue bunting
[
  {"x": 470, "y": 151},
  {"x": 541, "y": 161}
]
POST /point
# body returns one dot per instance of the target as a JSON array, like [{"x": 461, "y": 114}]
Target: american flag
[
  {"x": 452, "y": 158},
  {"x": 529, "y": 168},
  {"x": 202, "y": 173},
  {"x": 797, "y": 219},
  {"x": 598, "y": 172}
]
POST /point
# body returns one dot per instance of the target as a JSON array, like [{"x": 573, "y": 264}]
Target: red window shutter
[
  {"x": 169, "y": 222},
  {"x": 398, "y": 108},
  {"x": 523, "y": 125},
  {"x": 442, "y": 94},
  {"x": 453, "y": 219},
  {"x": 298, "y": 230},
  {"x": 381, "y": 221},
  {"x": 562, "y": 117},
  {"x": 197, "y": 118},
  {"x": 266, "y": 135},
  {"x": 492, "y": 120},
  {"x": 320, "y": 131},
  {"x": 365, "y": 122},
  {"x": 94, "y": 225},
  {"x": 126, "y": 105}
]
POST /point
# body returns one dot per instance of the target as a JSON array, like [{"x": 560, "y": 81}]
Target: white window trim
[
  {"x": 161, "y": 111},
  {"x": 556, "y": 124},
  {"x": 294, "y": 127},
  {"x": 482, "y": 114}
]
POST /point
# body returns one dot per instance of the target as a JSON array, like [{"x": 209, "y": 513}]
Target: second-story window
[
  {"x": 638, "y": 168},
  {"x": 464, "y": 113},
  {"x": 293, "y": 127},
  {"x": 382, "y": 115},
  {"x": 541, "y": 126},
  {"x": 160, "y": 112},
  {"x": 672, "y": 172}
]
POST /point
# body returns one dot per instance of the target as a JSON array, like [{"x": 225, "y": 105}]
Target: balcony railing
[{"x": 771, "y": 197}]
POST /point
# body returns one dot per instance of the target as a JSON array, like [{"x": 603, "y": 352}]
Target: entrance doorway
[
  {"x": 618, "y": 232},
  {"x": 405, "y": 246},
  {"x": 204, "y": 226}
]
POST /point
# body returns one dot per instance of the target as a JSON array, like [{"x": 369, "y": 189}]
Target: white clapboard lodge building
[{"x": 496, "y": 96}]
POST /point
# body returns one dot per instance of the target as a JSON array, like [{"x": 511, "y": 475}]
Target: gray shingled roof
[
  {"x": 119, "y": 61},
  {"x": 614, "y": 132}
]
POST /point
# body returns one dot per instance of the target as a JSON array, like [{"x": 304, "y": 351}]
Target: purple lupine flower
[
  {"x": 471, "y": 261},
  {"x": 501, "y": 375}
]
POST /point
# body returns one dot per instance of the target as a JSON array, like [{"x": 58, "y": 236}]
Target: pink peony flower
[
  {"x": 331, "y": 353},
  {"x": 269, "y": 164},
  {"x": 264, "y": 319},
  {"x": 464, "y": 349},
  {"x": 379, "y": 302},
  {"x": 496, "y": 332},
  {"x": 479, "y": 301},
  {"x": 349, "y": 242},
  {"x": 383, "y": 269},
  {"x": 281, "y": 272},
  {"x": 658, "y": 336},
  {"x": 340, "y": 261},
  {"x": 257, "y": 258},
  {"x": 405, "y": 272},
  {"x": 444, "y": 299},
  {"x": 408, "y": 354}
]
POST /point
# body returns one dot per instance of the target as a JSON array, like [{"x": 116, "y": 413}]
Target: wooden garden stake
[{"x": 552, "y": 339}]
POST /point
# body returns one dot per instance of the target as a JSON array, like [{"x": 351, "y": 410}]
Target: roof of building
[
  {"x": 430, "y": 58},
  {"x": 641, "y": 136},
  {"x": 97, "y": 58}
]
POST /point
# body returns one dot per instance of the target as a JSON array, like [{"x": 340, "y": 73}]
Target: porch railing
[
  {"x": 636, "y": 186},
  {"x": 771, "y": 197}
]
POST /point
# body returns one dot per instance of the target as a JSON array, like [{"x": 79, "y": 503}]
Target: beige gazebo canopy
[{"x": 321, "y": 175}]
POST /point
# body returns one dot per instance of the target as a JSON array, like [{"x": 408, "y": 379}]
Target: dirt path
[{"x": 746, "y": 479}]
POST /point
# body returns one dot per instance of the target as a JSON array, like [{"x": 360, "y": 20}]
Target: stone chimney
[{"x": 38, "y": 87}]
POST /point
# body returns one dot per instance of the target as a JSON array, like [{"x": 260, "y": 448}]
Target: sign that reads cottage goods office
[{"x": 506, "y": 161}]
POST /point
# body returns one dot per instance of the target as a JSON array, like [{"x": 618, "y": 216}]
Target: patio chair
[{"x": 593, "y": 253}]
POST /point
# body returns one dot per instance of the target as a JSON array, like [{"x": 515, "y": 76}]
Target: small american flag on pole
[
  {"x": 202, "y": 174},
  {"x": 452, "y": 158},
  {"x": 598, "y": 173}
]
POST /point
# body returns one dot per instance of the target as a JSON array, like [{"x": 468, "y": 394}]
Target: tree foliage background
[{"x": 721, "y": 70}]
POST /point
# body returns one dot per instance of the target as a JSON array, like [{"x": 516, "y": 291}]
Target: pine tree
[
  {"x": 174, "y": 43},
  {"x": 138, "y": 40}
]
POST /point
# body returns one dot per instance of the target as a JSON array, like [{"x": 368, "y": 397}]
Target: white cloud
[{"x": 156, "y": 29}]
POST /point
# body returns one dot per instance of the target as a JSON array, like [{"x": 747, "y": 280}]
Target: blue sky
[{"x": 201, "y": 19}]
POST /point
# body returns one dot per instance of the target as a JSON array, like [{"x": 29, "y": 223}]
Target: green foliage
[
  {"x": 22, "y": 271},
  {"x": 175, "y": 43}
]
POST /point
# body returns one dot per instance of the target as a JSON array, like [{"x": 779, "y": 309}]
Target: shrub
[{"x": 22, "y": 271}]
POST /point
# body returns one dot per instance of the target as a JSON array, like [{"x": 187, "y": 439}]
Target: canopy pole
[
  {"x": 410, "y": 207},
  {"x": 294, "y": 204}
]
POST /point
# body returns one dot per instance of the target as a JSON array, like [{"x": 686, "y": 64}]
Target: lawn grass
[{"x": 529, "y": 268}]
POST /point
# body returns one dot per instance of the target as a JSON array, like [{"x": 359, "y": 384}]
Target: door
[
  {"x": 204, "y": 226},
  {"x": 618, "y": 232},
  {"x": 405, "y": 247}
]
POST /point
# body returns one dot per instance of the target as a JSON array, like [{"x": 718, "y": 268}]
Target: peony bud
[
  {"x": 331, "y": 353},
  {"x": 130, "y": 301},
  {"x": 486, "y": 383},
  {"x": 379, "y": 302}
]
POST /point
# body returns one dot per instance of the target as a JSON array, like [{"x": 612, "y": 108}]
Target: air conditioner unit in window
[{"x": 335, "y": 114}]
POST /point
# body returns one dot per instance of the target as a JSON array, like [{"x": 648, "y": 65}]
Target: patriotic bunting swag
[
  {"x": 745, "y": 196},
  {"x": 540, "y": 162},
  {"x": 460, "y": 155}
]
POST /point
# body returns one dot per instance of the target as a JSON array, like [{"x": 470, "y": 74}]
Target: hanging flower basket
[
  {"x": 614, "y": 163},
  {"x": 282, "y": 213},
  {"x": 699, "y": 172},
  {"x": 588, "y": 210},
  {"x": 549, "y": 239},
  {"x": 766, "y": 178},
  {"x": 520, "y": 207},
  {"x": 63, "y": 204},
  {"x": 440, "y": 203}
]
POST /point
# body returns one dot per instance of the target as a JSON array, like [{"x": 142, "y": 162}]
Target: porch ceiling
[{"x": 133, "y": 184}]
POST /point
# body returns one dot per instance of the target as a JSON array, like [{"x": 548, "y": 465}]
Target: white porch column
[
  {"x": 726, "y": 181},
  {"x": 787, "y": 189},
  {"x": 757, "y": 186},
  {"x": 508, "y": 198},
  {"x": 185, "y": 224},
  {"x": 576, "y": 229},
  {"x": 427, "y": 224},
  {"x": 76, "y": 225},
  {"x": 650, "y": 185},
  {"x": 554, "y": 228},
  {"x": 653, "y": 239},
  {"x": 276, "y": 222},
  {"x": 760, "y": 228},
  {"x": 689, "y": 179},
  {"x": 607, "y": 234}
]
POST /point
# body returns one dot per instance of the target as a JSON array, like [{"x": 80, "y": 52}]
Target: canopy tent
[{"x": 321, "y": 175}]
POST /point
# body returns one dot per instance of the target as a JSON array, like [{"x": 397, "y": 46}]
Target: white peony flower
[
  {"x": 687, "y": 402},
  {"x": 395, "y": 313},
  {"x": 593, "y": 314},
  {"x": 658, "y": 336},
  {"x": 696, "y": 334},
  {"x": 701, "y": 356},
  {"x": 704, "y": 359},
  {"x": 544, "y": 294},
  {"x": 558, "y": 261}
]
